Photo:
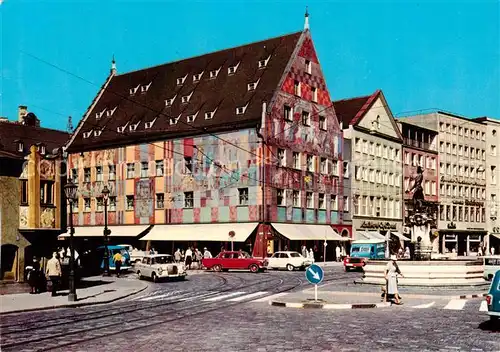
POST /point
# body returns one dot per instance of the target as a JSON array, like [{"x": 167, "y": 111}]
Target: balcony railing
[{"x": 419, "y": 144}]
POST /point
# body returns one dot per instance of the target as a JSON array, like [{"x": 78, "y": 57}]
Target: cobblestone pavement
[{"x": 229, "y": 312}]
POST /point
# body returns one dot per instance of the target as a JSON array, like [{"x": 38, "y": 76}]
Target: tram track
[{"x": 145, "y": 318}]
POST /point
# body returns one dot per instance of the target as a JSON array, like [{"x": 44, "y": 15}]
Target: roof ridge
[
  {"x": 206, "y": 54},
  {"x": 16, "y": 123},
  {"x": 358, "y": 97}
]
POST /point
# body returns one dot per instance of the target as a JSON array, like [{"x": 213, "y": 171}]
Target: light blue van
[{"x": 362, "y": 251}]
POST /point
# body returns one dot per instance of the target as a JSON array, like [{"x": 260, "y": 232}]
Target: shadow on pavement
[
  {"x": 91, "y": 283},
  {"x": 490, "y": 325}
]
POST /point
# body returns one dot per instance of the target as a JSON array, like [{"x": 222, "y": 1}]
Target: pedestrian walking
[
  {"x": 189, "y": 258},
  {"x": 337, "y": 253},
  {"x": 391, "y": 276},
  {"x": 34, "y": 277},
  {"x": 304, "y": 252},
  {"x": 178, "y": 256},
  {"x": 117, "y": 258},
  {"x": 311, "y": 254},
  {"x": 407, "y": 253},
  {"x": 199, "y": 257},
  {"x": 54, "y": 272},
  {"x": 206, "y": 253}
]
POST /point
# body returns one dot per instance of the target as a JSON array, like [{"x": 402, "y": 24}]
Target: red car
[
  {"x": 234, "y": 260},
  {"x": 354, "y": 263}
]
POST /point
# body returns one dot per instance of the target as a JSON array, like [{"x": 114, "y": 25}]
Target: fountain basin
[{"x": 446, "y": 273}]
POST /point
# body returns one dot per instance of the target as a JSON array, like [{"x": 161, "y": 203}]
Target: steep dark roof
[
  {"x": 349, "y": 111},
  {"x": 224, "y": 93},
  {"x": 12, "y": 132}
]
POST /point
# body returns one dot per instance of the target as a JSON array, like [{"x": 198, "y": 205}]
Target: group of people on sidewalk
[
  {"x": 52, "y": 278},
  {"x": 192, "y": 258}
]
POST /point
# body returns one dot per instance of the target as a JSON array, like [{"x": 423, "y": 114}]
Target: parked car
[
  {"x": 288, "y": 260},
  {"x": 491, "y": 264},
  {"x": 160, "y": 266},
  {"x": 227, "y": 260},
  {"x": 493, "y": 298},
  {"x": 362, "y": 251}
]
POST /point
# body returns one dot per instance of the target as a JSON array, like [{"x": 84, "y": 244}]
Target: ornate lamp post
[
  {"x": 107, "y": 232},
  {"x": 70, "y": 190}
]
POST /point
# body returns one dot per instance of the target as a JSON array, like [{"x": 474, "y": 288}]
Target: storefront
[{"x": 463, "y": 242}]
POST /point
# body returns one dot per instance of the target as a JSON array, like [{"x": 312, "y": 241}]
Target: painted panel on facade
[
  {"x": 242, "y": 214},
  {"x": 23, "y": 217},
  {"x": 322, "y": 219},
  {"x": 297, "y": 214},
  {"x": 144, "y": 195},
  {"x": 310, "y": 216},
  {"x": 282, "y": 214},
  {"x": 47, "y": 218}
]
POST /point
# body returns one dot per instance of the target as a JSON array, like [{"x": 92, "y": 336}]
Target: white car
[
  {"x": 288, "y": 260},
  {"x": 160, "y": 266}
]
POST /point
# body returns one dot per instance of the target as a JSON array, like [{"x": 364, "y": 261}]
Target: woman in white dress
[{"x": 391, "y": 273}]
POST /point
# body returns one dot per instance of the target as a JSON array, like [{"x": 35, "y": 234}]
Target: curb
[
  {"x": 75, "y": 305},
  {"x": 329, "y": 305},
  {"x": 472, "y": 296}
]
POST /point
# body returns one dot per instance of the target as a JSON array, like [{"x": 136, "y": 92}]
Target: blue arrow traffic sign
[{"x": 314, "y": 274}]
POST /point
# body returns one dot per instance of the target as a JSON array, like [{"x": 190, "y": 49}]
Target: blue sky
[{"x": 423, "y": 55}]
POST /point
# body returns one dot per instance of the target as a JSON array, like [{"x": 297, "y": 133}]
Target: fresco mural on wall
[
  {"x": 144, "y": 196},
  {"x": 47, "y": 218}
]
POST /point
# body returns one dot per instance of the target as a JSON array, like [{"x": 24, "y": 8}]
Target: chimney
[{"x": 22, "y": 110}]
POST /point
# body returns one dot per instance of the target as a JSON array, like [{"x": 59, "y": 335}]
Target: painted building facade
[
  {"x": 375, "y": 165},
  {"x": 250, "y": 139},
  {"x": 31, "y": 180}
]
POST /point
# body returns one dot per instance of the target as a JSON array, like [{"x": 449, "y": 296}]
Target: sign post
[
  {"x": 231, "y": 235},
  {"x": 315, "y": 274}
]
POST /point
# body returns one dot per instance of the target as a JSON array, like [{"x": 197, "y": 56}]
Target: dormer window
[
  {"x": 111, "y": 112},
  {"x": 150, "y": 124},
  {"x": 241, "y": 110},
  {"x": 197, "y": 77},
  {"x": 170, "y": 101},
  {"x": 232, "y": 69},
  {"x": 253, "y": 85},
  {"x": 185, "y": 99},
  {"x": 133, "y": 127},
  {"x": 181, "y": 80},
  {"x": 97, "y": 133},
  {"x": 308, "y": 67},
  {"x": 20, "y": 147},
  {"x": 132, "y": 91},
  {"x": 173, "y": 120},
  {"x": 98, "y": 115},
  {"x": 87, "y": 134},
  {"x": 263, "y": 63},
  {"x": 214, "y": 73},
  {"x": 210, "y": 114},
  {"x": 145, "y": 88},
  {"x": 121, "y": 129},
  {"x": 191, "y": 118}
]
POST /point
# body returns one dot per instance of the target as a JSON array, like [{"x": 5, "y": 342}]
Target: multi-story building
[
  {"x": 30, "y": 192},
  {"x": 492, "y": 182},
  {"x": 462, "y": 185},
  {"x": 376, "y": 183},
  {"x": 243, "y": 140},
  {"x": 420, "y": 150}
]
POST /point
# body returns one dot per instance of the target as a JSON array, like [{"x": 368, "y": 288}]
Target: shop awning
[
  {"x": 400, "y": 236},
  {"x": 304, "y": 232},
  {"x": 370, "y": 235},
  {"x": 116, "y": 231},
  {"x": 201, "y": 232}
]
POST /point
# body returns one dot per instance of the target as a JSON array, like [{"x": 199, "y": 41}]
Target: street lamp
[
  {"x": 70, "y": 190},
  {"x": 105, "y": 196}
]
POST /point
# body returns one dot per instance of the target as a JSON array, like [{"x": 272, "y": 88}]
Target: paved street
[{"x": 230, "y": 312}]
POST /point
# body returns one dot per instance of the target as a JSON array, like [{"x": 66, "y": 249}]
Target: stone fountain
[{"x": 427, "y": 268}]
